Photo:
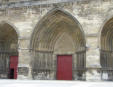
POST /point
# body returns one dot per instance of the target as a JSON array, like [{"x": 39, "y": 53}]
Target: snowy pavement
[{"x": 38, "y": 83}]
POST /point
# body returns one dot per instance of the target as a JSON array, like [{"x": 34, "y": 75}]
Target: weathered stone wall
[{"x": 91, "y": 14}]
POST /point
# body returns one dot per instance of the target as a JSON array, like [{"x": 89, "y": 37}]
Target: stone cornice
[{"x": 31, "y": 3}]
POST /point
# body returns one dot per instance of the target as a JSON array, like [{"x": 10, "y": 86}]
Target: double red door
[
  {"x": 13, "y": 67},
  {"x": 64, "y": 67}
]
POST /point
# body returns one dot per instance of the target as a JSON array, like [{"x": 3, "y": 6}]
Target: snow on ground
[{"x": 39, "y": 83}]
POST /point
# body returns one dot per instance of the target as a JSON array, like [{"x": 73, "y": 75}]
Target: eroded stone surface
[{"x": 91, "y": 14}]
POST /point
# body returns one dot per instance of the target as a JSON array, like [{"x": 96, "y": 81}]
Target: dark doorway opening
[{"x": 11, "y": 74}]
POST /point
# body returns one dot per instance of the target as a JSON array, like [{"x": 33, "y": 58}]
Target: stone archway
[
  {"x": 106, "y": 50},
  {"x": 8, "y": 51},
  {"x": 58, "y": 33}
]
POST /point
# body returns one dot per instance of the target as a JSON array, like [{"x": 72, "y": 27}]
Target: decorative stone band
[{"x": 32, "y": 3}]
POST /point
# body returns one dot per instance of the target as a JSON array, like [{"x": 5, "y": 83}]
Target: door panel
[
  {"x": 64, "y": 67},
  {"x": 13, "y": 67}
]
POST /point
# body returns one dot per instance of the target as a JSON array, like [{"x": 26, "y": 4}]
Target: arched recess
[
  {"x": 106, "y": 50},
  {"x": 8, "y": 51},
  {"x": 57, "y": 33}
]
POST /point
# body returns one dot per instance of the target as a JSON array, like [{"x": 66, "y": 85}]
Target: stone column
[
  {"x": 74, "y": 66},
  {"x": 24, "y": 64},
  {"x": 92, "y": 59}
]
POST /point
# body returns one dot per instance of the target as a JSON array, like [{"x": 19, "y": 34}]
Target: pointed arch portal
[
  {"x": 8, "y": 51},
  {"x": 106, "y": 50},
  {"x": 58, "y": 35}
]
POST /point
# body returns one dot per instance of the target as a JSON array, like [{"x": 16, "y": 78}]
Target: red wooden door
[
  {"x": 64, "y": 67},
  {"x": 13, "y": 67}
]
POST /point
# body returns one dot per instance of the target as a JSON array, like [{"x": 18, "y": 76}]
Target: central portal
[
  {"x": 61, "y": 36},
  {"x": 64, "y": 67}
]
